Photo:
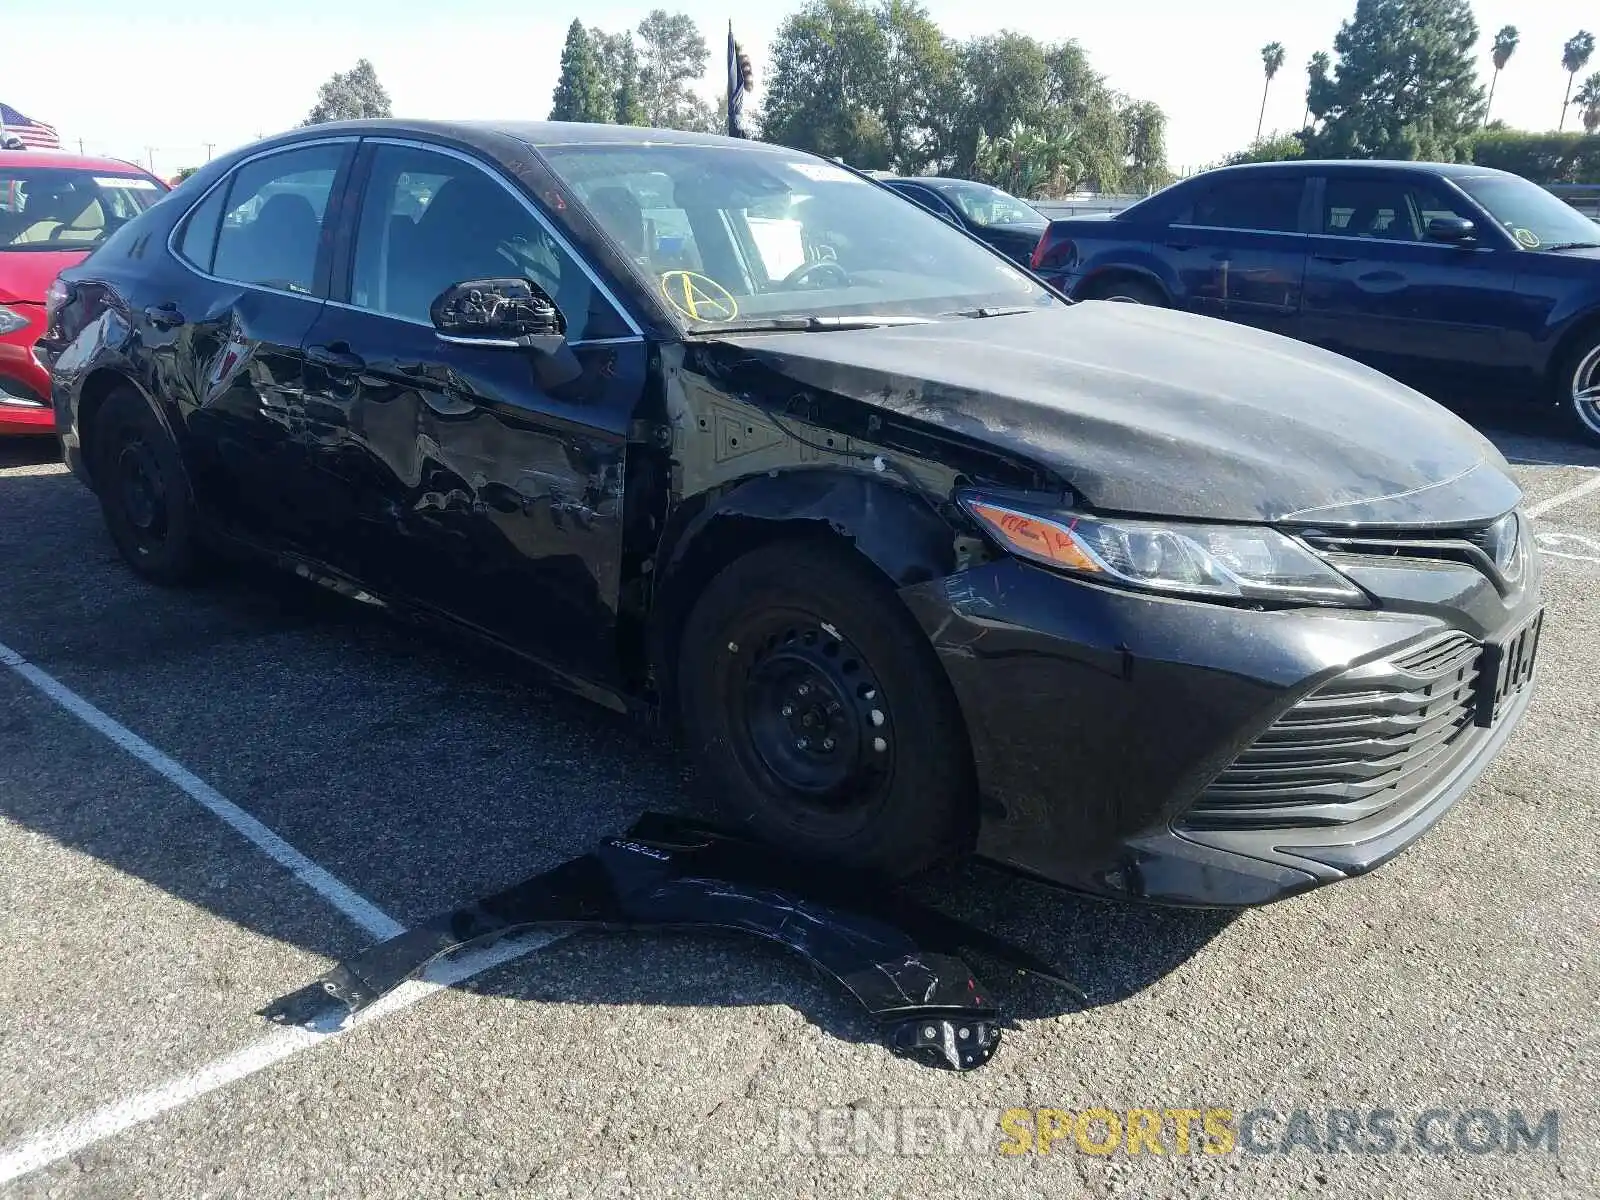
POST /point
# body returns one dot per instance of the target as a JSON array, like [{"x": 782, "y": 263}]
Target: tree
[
  {"x": 1574, "y": 58},
  {"x": 619, "y": 73},
  {"x": 826, "y": 83},
  {"x": 1281, "y": 148},
  {"x": 580, "y": 93},
  {"x": 1271, "y": 59},
  {"x": 1316, "y": 73},
  {"x": 1505, "y": 45},
  {"x": 672, "y": 52},
  {"x": 918, "y": 73},
  {"x": 351, "y": 95},
  {"x": 1588, "y": 102},
  {"x": 1405, "y": 85}
]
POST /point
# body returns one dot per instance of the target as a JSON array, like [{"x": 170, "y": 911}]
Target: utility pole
[
  {"x": 210, "y": 146},
  {"x": 150, "y": 158},
  {"x": 80, "y": 147}
]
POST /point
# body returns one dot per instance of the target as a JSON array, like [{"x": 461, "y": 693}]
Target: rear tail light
[{"x": 1055, "y": 252}]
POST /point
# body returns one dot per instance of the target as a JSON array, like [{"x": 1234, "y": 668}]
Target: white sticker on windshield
[
  {"x": 822, "y": 172},
  {"x": 125, "y": 181}
]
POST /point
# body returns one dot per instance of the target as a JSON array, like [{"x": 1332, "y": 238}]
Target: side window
[
  {"x": 929, "y": 200},
  {"x": 1368, "y": 208},
  {"x": 1429, "y": 201},
  {"x": 1271, "y": 205},
  {"x": 272, "y": 220},
  {"x": 200, "y": 230},
  {"x": 430, "y": 220}
]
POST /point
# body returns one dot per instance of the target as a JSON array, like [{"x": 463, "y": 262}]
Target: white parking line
[
  {"x": 353, "y": 905},
  {"x": 54, "y": 1144},
  {"x": 1566, "y": 497}
]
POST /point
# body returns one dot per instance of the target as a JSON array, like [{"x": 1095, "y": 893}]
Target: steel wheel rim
[
  {"x": 1585, "y": 391},
  {"x": 813, "y": 718},
  {"x": 141, "y": 492}
]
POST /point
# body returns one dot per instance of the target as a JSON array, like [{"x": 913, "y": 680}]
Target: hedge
[{"x": 1542, "y": 157}]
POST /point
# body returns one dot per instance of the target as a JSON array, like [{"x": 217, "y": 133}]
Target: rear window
[
  {"x": 1250, "y": 203},
  {"x": 69, "y": 208}
]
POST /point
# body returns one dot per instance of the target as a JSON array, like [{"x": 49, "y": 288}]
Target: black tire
[
  {"x": 1129, "y": 291},
  {"x": 1577, "y": 374},
  {"x": 893, "y": 794},
  {"x": 144, "y": 493}
]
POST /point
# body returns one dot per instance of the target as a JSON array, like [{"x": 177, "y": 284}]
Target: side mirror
[
  {"x": 498, "y": 312},
  {"x": 1455, "y": 230}
]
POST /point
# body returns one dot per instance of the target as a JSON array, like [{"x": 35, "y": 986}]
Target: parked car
[
  {"x": 1011, "y": 226},
  {"x": 1459, "y": 280},
  {"x": 54, "y": 209},
  {"x": 1166, "y": 608}
]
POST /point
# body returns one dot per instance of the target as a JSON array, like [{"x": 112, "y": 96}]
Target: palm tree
[
  {"x": 1505, "y": 45},
  {"x": 1272, "y": 60},
  {"x": 1588, "y": 102},
  {"x": 1574, "y": 57},
  {"x": 1316, "y": 71}
]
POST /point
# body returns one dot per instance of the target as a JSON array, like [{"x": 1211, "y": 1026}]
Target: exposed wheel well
[
  {"x": 91, "y": 396},
  {"x": 715, "y": 548}
]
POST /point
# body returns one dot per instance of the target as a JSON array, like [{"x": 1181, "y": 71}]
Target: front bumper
[
  {"x": 1102, "y": 722},
  {"x": 24, "y": 392}
]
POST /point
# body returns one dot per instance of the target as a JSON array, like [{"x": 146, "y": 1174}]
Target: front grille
[{"x": 1355, "y": 745}]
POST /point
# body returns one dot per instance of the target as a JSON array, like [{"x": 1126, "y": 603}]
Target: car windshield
[
  {"x": 740, "y": 235},
  {"x": 68, "y": 208},
  {"x": 984, "y": 205},
  {"x": 1538, "y": 219}
]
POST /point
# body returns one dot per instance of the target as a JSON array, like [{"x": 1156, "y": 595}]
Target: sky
[{"x": 159, "y": 82}]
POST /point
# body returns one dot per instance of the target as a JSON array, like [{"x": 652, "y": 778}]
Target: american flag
[{"x": 33, "y": 134}]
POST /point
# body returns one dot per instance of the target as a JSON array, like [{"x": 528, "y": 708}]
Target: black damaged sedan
[{"x": 921, "y": 559}]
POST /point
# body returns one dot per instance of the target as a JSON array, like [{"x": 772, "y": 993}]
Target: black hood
[{"x": 1148, "y": 410}]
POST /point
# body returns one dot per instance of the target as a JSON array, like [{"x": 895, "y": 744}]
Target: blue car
[{"x": 1462, "y": 281}]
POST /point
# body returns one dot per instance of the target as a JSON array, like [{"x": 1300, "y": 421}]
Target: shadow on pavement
[
  {"x": 30, "y": 451},
  {"x": 421, "y": 771}
]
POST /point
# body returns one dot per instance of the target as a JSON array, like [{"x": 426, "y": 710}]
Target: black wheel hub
[
  {"x": 142, "y": 491},
  {"x": 816, "y": 717}
]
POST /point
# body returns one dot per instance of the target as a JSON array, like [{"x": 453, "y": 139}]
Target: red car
[{"x": 54, "y": 209}]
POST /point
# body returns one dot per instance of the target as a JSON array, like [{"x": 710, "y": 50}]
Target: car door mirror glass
[
  {"x": 1451, "y": 229},
  {"x": 498, "y": 312}
]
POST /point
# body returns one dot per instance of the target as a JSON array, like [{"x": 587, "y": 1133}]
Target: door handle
[
  {"x": 164, "y": 316},
  {"x": 1180, "y": 245},
  {"x": 1337, "y": 260},
  {"x": 338, "y": 356}
]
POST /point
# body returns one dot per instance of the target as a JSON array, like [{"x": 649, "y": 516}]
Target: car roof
[
  {"x": 83, "y": 162},
  {"x": 534, "y": 133},
  {"x": 1334, "y": 166}
]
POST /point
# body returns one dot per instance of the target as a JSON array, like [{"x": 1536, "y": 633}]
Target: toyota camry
[{"x": 922, "y": 559}]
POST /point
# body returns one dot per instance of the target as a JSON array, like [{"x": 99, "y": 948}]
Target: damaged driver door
[{"x": 471, "y": 477}]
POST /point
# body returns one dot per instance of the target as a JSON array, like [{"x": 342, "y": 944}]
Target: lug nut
[
  {"x": 828, "y": 743},
  {"x": 788, "y": 710},
  {"x": 805, "y": 689},
  {"x": 802, "y": 743}
]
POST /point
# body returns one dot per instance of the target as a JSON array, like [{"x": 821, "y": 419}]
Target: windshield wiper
[
  {"x": 811, "y": 324},
  {"x": 1572, "y": 246},
  {"x": 978, "y": 313}
]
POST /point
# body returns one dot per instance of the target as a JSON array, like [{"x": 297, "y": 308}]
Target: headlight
[
  {"x": 1231, "y": 562},
  {"x": 11, "y": 321}
]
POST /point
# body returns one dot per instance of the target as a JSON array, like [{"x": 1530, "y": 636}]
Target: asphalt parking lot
[{"x": 151, "y": 742}]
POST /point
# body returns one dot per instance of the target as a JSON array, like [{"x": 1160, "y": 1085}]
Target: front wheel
[
  {"x": 819, "y": 711},
  {"x": 1577, "y": 387}
]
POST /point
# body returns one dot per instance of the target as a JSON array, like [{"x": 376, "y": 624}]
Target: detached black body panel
[{"x": 896, "y": 958}]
